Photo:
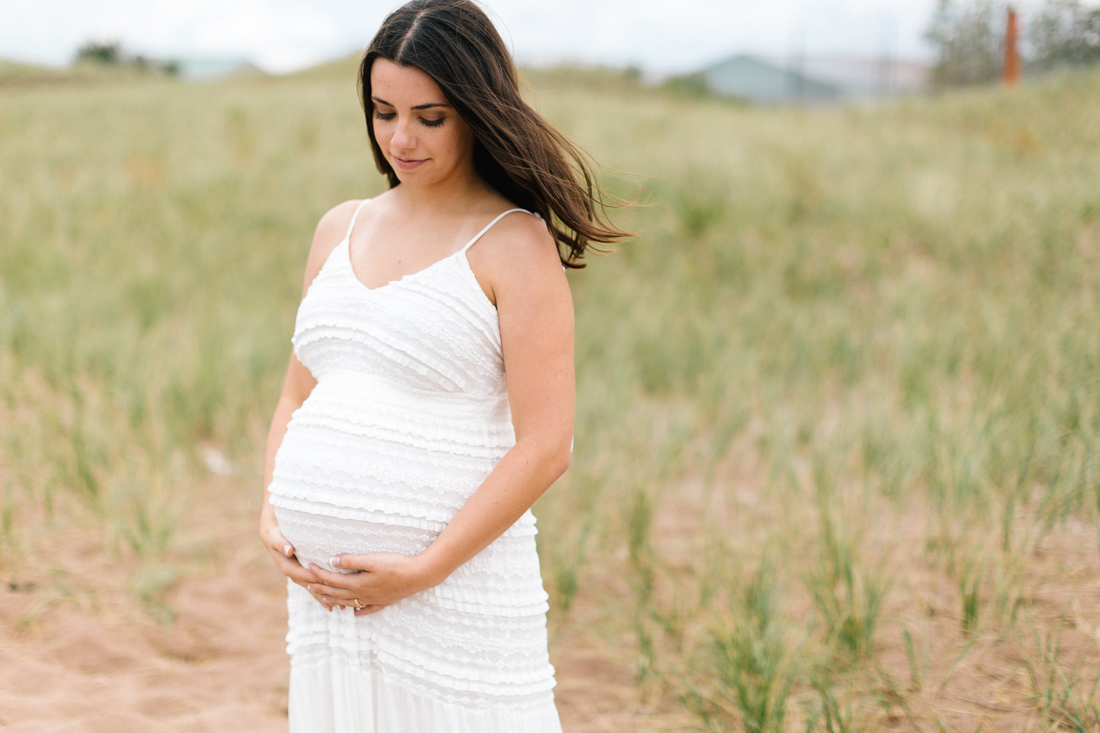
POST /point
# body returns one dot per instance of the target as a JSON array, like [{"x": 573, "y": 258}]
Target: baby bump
[
  {"x": 317, "y": 537},
  {"x": 504, "y": 574}
]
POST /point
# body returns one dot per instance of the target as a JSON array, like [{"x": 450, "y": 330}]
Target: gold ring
[{"x": 358, "y": 604}]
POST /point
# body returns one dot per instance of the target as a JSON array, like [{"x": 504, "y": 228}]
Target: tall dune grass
[{"x": 835, "y": 404}]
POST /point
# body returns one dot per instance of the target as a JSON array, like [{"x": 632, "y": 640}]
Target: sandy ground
[{"x": 80, "y": 652}]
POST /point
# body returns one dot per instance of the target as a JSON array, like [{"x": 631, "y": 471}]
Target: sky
[{"x": 660, "y": 36}]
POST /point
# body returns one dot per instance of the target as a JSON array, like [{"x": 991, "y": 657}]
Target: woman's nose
[{"x": 403, "y": 137}]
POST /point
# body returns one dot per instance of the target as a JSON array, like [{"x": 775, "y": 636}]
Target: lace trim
[
  {"x": 405, "y": 516},
  {"x": 330, "y": 351},
  {"x": 485, "y": 321},
  {"x": 374, "y": 509},
  {"x": 468, "y": 600},
  {"x": 506, "y": 564},
  {"x": 451, "y": 414},
  {"x": 438, "y": 442},
  {"x": 453, "y": 711},
  {"x": 498, "y": 685},
  {"x": 388, "y": 346},
  {"x": 304, "y": 480},
  {"x": 448, "y": 325},
  {"x": 515, "y": 644},
  {"x": 392, "y": 515},
  {"x": 474, "y": 668},
  {"x": 473, "y": 297},
  {"x": 385, "y": 465},
  {"x": 447, "y": 305},
  {"x": 481, "y": 374},
  {"x": 420, "y": 355}
]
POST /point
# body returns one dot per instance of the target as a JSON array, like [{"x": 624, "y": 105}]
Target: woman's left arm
[{"x": 535, "y": 310}]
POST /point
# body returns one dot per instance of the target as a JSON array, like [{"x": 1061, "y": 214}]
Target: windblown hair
[{"x": 515, "y": 150}]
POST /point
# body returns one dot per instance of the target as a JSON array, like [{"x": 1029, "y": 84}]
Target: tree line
[
  {"x": 111, "y": 53},
  {"x": 969, "y": 37}
]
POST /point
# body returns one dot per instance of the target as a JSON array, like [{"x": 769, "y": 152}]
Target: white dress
[{"x": 409, "y": 415}]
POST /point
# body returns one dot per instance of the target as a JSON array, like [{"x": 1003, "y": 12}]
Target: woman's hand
[
  {"x": 283, "y": 554},
  {"x": 383, "y": 579}
]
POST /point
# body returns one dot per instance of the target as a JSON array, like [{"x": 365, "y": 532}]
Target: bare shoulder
[
  {"x": 330, "y": 232},
  {"x": 519, "y": 255}
]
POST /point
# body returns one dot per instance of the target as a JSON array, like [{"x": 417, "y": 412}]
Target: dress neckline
[
  {"x": 403, "y": 278},
  {"x": 406, "y": 276}
]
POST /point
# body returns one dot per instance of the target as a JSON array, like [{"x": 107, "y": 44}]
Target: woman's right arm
[{"x": 297, "y": 386}]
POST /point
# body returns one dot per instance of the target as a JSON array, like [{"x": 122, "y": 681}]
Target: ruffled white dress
[{"x": 409, "y": 415}]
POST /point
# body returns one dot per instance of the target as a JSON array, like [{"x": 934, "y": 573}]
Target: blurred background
[
  {"x": 837, "y": 460},
  {"x": 280, "y": 36}
]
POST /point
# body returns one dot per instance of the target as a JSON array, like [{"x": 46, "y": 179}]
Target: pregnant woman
[{"x": 401, "y": 463}]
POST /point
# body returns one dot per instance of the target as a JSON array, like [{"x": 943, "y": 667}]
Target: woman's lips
[{"x": 408, "y": 165}]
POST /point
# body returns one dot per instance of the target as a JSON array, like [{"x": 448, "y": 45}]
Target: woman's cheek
[{"x": 382, "y": 136}]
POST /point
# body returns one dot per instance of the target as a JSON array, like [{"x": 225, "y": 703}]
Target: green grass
[
  {"x": 1065, "y": 697},
  {"x": 751, "y": 660},
  {"x": 861, "y": 343}
]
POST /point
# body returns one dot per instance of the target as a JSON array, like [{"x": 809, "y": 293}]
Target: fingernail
[
  {"x": 310, "y": 588},
  {"x": 335, "y": 562},
  {"x": 286, "y": 550}
]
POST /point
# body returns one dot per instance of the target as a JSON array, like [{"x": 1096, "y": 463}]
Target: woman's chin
[{"x": 412, "y": 178}]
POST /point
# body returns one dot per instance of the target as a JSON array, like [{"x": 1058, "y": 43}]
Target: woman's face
[{"x": 422, "y": 136}]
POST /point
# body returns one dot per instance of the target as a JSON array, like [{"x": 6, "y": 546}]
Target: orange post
[{"x": 1011, "y": 73}]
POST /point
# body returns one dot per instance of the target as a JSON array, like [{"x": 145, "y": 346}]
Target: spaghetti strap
[
  {"x": 354, "y": 217},
  {"x": 490, "y": 226}
]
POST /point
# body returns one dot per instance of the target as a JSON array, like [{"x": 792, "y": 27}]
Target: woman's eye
[
  {"x": 383, "y": 115},
  {"x": 434, "y": 123}
]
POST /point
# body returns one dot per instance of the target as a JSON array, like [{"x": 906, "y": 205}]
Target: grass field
[{"x": 837, "y": 460}]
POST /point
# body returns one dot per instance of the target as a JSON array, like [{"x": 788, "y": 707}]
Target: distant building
[
  {"x": 812, "y": 80},
  {"x": 756, "y": 80},
  {"x": 211, "y": 69}
]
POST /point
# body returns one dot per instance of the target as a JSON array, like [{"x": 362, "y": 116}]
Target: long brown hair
[{"x": 515, "y": 150}]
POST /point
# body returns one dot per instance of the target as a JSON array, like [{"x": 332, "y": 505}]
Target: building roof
[
  {"x": 757, "y": 80},
  {"x": 814, "y": 79}
]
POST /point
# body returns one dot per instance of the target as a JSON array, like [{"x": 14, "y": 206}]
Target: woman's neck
[{"x": 459, "y": 192}]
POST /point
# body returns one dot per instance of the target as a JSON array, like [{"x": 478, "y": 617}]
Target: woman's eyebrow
[{"x": 429, "y": 105}]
